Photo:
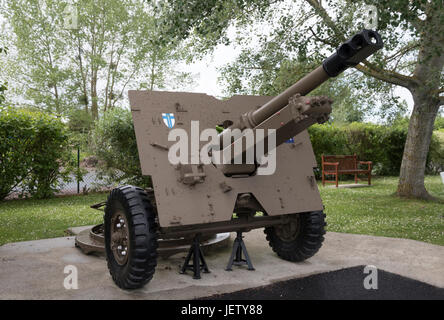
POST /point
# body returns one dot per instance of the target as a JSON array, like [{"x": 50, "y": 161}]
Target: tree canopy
[
  {"x": 3, "y": 86},
  {"x": 413, "y": 33},
  {"x": 86, "y": 56}
]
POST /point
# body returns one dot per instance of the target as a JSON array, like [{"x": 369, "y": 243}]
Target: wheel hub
[
  {"x": 119, "y": 237},
  {"x": 290, "y": 230}
]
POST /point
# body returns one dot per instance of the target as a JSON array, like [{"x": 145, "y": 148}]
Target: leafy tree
[
  {"x": 413, "y": 33},
  {"x": 269, "y": 72},
  {"x": 90, "y": 64},
  {"x": 40, "y": 51},
  {"x": 112, "y": 44}
]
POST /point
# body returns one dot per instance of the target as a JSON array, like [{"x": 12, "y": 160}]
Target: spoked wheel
[
  {"x": 300, "y": 238},
  {"x": 130, "y": 237}
]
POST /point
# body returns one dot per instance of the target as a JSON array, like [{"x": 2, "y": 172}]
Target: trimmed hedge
[
  {"x": 439, "y": 123},
  {"x": 33, "y": 151},
  {"x": 384, "y": 145},
  {"x": 436, "y": 153},
  {"x": 115, "y": 146}
]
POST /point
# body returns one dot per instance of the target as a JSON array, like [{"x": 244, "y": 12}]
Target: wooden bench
[{"x": 341, "y": 164}]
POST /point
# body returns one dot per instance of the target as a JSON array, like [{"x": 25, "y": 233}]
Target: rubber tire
[
  {"x": 142, "y": 256},
  {"x": 308, "y": 241}
]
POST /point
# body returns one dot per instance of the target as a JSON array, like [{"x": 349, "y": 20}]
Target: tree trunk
[
  {"x": 414, "y": 160},
  {"x": 427, "y": 76},
  {"x": 83, "y": 75},
  {"x": 94, "y": 97}
]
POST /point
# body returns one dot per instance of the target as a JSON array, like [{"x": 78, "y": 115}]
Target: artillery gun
[{"x": 193, "y": 198}]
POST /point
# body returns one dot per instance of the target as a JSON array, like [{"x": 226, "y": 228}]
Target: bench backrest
[{"x": 345, "y": 162}]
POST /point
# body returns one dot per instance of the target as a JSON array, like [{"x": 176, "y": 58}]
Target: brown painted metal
[
  {"x": 289, "y": 190},
  {"x": 243, "y": 224},
  {"x": 255, "y": 118},
  {"x": 300, "y": 113},
  {"x": 304, "y": 86},
  {"x": 194, "y": 197}
]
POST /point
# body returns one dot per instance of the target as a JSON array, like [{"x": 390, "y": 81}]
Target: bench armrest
[
  {"x": 331, "y": 164},
  {"x": 369, "y": 163}
]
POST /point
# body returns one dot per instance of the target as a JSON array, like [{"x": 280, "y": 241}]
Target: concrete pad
[
  {"x": 34, "y": 269},
  {"x": 72, "y": 231}
]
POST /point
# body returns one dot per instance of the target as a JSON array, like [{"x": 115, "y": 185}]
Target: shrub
[
  {"x": 33, "y": 151},
  {"x": 436, "y": 154},
  {"x": 384, "y": 145},
  {"x": 366, "y": 140},
  {"x": 327, "y": 139},
  {"x": 80, "y": 123},
  {"x": 439, "y": 123},
  {"x": 114, "y": 144},
  {"x": 392, "y": 146}
]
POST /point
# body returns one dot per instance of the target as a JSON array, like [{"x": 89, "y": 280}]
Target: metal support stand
[
  {"x": 198, "y": 259},
  {"x": 236, "y": 254}
]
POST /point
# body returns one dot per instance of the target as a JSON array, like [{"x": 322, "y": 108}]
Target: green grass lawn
[
  {"x": 29, "y": 219},
  {"x": 376, "y": 211},
  {"x": 371, "y": 210}
]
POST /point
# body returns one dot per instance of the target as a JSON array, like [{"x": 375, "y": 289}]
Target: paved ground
[{"x": 34, "y": 270}]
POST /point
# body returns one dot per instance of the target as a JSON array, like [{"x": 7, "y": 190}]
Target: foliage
[
  {"x": 91, "y": 63},
  {"x": 376, "y": 211},
  {"x": 33, "y": 150},
  {"x": 270, "y": 72},
  {"x": 205, "y": 22},
  {"x": 37, "y": 71},
  {"x": 412, "y": 32},
  {"x": 33, "y": 219},
  {"x": 439, "y": 123},
  {"x": 384, "y": 145},
  {"x": 3, "y": 86},
  {"x": 114, "y": 144},
  {"x": 436, "y": 155},
  {"x": 303, "y": 27},
  {"x": 80, "y": 121}
]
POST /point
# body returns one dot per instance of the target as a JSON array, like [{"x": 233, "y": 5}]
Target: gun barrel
[
  {"x": 290, "y": 112},
  {"x": 308, "y": 83},
  {"x": 350, "y": 53}
]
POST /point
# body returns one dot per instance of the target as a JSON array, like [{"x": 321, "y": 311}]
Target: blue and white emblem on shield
[{"x": 168, "y": 119}]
